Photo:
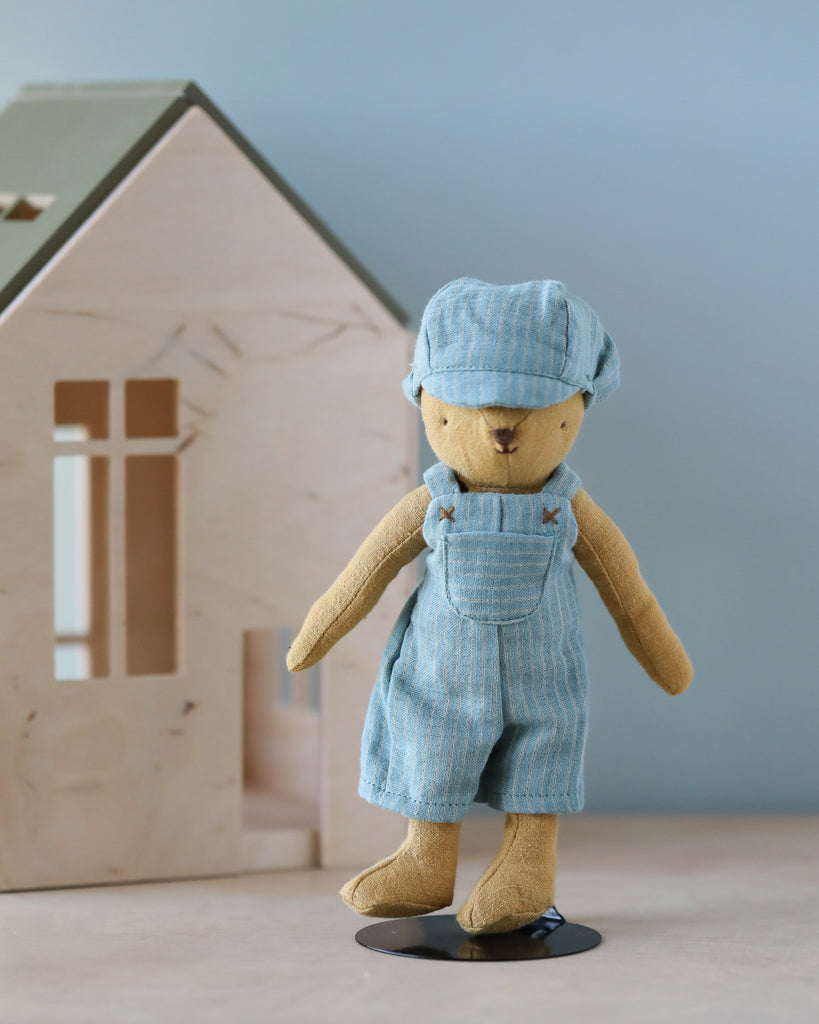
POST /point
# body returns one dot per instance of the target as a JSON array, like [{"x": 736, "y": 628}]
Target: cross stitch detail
[
  {"x": 551, "y": 517},
  {"x": 448, "y": 513}
]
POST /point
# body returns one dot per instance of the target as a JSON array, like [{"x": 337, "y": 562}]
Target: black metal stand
[{"x": 440, "y": 937}]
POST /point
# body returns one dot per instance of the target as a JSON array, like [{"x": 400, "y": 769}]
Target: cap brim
[{"x": 479, "y": 388}]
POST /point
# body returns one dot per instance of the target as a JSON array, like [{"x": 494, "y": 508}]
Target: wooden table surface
[{"x": 704, "y": 919}]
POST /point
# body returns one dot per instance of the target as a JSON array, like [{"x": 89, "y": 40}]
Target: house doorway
[{"x": 280, "y": 759}]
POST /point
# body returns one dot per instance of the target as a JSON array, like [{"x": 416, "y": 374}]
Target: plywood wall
[{"x": 293, "y": 439}]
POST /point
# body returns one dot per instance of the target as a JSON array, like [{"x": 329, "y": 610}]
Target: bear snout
[{"x": 504, "y": 436}]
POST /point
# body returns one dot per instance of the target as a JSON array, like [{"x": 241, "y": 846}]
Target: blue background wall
[{"x": 661, "y": 159}]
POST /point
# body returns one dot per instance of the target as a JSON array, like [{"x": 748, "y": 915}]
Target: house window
[
  {"x": 150, "y": 408},
  {"x": 27, "y": 207},
  {"x": 150, "y": 564},
  {"x": 81, "y": 569},
  {"x": 80, "y": 410},
  {"x": 115, "y": 517}
]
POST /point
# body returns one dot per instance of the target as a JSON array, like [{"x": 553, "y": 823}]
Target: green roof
[{"x": 64, "y": 148}]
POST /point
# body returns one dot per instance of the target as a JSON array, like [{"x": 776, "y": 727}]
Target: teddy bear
[{"x": 482, "y": 691}]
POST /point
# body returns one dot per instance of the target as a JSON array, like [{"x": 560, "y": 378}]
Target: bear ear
[
  {"x": 412, "y": 388},
  {"x": 607, "y": 372}
]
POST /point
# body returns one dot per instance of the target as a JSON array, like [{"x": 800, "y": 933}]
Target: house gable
[{"x": 64, "y": 148}]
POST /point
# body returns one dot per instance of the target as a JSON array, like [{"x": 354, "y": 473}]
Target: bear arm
[
  {"x": 607, "y": 558},
  {"x": 394, "y": 543}
]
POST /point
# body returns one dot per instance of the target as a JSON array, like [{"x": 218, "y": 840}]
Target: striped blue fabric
[
  {"x": 521, "y": 346},
  {"x": 482, "y": 690}
]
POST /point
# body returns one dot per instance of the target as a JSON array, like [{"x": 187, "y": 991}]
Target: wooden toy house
[{"x": 200, "y": 420}]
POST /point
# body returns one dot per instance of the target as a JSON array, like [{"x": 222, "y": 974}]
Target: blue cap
[{"x": 519, "y": 345}]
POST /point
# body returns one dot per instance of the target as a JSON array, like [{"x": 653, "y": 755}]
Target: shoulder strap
[
  {"x": 563, "y": 481},
  {"x": 440, "y": 479}
]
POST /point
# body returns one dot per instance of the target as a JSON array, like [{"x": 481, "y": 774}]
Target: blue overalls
[{"x": 482, "y": 690}]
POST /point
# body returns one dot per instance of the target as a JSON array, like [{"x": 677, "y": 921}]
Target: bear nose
[{"x": 503, "y": 436}]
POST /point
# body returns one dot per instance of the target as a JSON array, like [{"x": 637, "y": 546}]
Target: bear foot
[
  {"x": 418, "y": 878},
  {"x": 518, "y": 886}
]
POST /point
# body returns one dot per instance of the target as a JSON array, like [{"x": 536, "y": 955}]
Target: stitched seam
[
  {"x": 374, "y": 572},
  {"x": 413, "y": 799},
  {"x": 492, "y": 369},
  {"x": 620, "y": 604},
  {"x": 501, "y": 858},
  {"x": 516, "y": 794}
]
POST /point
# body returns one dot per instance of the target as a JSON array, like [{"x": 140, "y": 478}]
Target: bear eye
[
  {"x": 444, "y": 421},
  {"x": 562, "y": 425}
]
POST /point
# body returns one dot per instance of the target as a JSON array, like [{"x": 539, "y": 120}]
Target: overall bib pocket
[{"x": 495, "y": 577}]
